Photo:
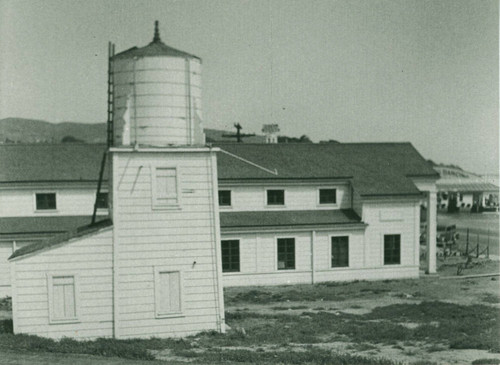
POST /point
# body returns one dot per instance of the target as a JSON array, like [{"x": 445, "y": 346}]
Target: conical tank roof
[{"x": 154, "y": 49}]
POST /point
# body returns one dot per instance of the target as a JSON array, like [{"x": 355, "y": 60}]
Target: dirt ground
[
  {"x": 445, "y": 287},
  {"x": 255, "y": 312},
  {"x": 354, "y": 298}
]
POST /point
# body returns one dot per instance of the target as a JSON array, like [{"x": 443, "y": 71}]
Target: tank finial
[{"x": 156, "y": 38}]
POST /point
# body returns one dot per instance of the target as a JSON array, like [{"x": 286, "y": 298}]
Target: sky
[{"x": 353, "y": 71}]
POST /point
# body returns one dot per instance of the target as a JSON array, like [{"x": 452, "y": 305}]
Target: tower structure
[
  {"x": 156, "y": 96},
  {"x": 163, "y": 197}
]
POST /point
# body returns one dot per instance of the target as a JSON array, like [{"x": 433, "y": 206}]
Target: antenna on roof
[{"x": 156, "y": 37}]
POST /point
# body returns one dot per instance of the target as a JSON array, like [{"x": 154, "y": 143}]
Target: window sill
[
  {"x": 229, "y": 207},
  {"x": 275, "y": 206},
  {"x": 334, "y": 205},
  {"x": 169, "y": 315},
  {"x": 292, "y": 269},
  {"x": 339, "y": 268},
  {"x": 38, "y": 211},
  {"x": 64, "y": 321},
  {"x": 167, "y": 207}
]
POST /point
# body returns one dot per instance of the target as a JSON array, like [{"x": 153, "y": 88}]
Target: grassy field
[{"x": 425, "y": 321}]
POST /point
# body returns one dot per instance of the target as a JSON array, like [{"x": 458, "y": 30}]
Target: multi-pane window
[
  {"x": 165, "y": 187},
  {"x": 392, "y": 249},
  {"x": 168, "y": 292},
  {"x": 225, "y": 198},
  {"x": 46, "y": 201},
  {"x": 275, "y": 197},
  {"x": 286, "y": 253},
  {"x": 327, "y": 196},
  {"x": 102, "y": 200},
  {"x": 340, "y": 251},
  {"x": 230, "y": 255},
  {"x": 62, "y": 298}
]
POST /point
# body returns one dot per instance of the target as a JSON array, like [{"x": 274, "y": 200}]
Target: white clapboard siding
[
  {"x": 258, "y": 255},
  {"x": 323, "y": 250},
  {"x": 69, "y": 201},
  {"x": 5, "y": 252},
  {"x": 88, "y": 259},
  {"x": 297, "y": 197},
  {"x": 390, "y": 218},
  {"x": 181, "y": 239}
]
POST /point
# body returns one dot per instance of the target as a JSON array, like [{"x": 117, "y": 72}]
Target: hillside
[
  {"x": 19, "y": 130},
  {"x": 38, "y": 131}
]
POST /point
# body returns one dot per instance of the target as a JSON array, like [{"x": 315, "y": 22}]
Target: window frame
[
  {"x": 239, "y": 255},
  {"x": 107, "y": 201},
  {"x": 230, "y": 198},
  {"x": 294, "y": 253},
  {"x": 164, "y": 269},
  {"x": 330, "y": 237},
  {"x": 384, "y": 250},
  {"x": 50, "y": 297},
  {"x": 266, "y": 197},
  {"x": 156, "y": 202},
  {"x": 326, "y": 204},
  {"x": 38, "y": 210}
]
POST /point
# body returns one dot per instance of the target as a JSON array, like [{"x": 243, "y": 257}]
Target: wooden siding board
[
  {"x": 94, "y": 310},
  {"x": 297, "y": 197},
  {"x": 171, "y": 239}
]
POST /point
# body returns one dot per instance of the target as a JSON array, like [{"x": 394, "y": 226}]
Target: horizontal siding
[
  {"x": 89, "y": 259},
  {"x": 304, "y": 197},
  {"x": 323, "y": 250},
  {"x": 390, "y": 218},
  {"x": 70, "y": 202},
  {"x": 5, "y": 252},
  {"x": 258, "y": 256},
  {"x": 380, "y": 273},
  {"x": 177, "y": 239}
]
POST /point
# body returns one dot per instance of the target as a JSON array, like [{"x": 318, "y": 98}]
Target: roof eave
[
  {"x": 295, "y": 227},
  {"x": 19, "y": 254}
]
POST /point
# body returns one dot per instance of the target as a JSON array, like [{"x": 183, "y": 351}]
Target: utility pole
[{"x": 238, "y": 134}]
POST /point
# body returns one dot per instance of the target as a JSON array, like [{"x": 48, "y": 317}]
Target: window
[
  {"x": 340, "y": 251},
  {"x": 102, "y": 201},
  {"x": 46, "y": 201},
  {"x": 224, "y": 198},
  {"x": 392, "y": 249},
  {"x": 327, "y": 196},
  {"x": 286, "y": 253},
  {"x": 275, "y": 197},
  {"x": 168, "y": 293},
  {"x": 165, "y": 187},
  {"x": 62, "y": 298},
  {"x": 230, "y": 256}
]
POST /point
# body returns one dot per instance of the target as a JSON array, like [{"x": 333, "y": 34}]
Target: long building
[
  {"x": 296, "y": 197},
  {"x": 180, "y": 219}
]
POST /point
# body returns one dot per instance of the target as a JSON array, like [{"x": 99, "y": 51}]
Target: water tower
[
  {"x": 155, "y": 96},
  {"x": 162, "y": 196}
]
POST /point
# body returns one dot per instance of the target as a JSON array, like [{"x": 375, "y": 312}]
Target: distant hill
[{"x": 19, "y": 130}]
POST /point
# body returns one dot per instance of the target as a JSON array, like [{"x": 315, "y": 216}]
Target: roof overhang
[{"x": 295, "y": 228}]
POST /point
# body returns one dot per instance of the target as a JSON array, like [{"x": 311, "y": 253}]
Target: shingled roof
[
  {"x": 51, "y": 162},
  {"x": 287, "y": 218},
  {"x": 62, "y": 238},
  {"x": 373, "y": 168},
  {"x": 154, "y": 49},
  {"x": 43, "y": 225}
]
